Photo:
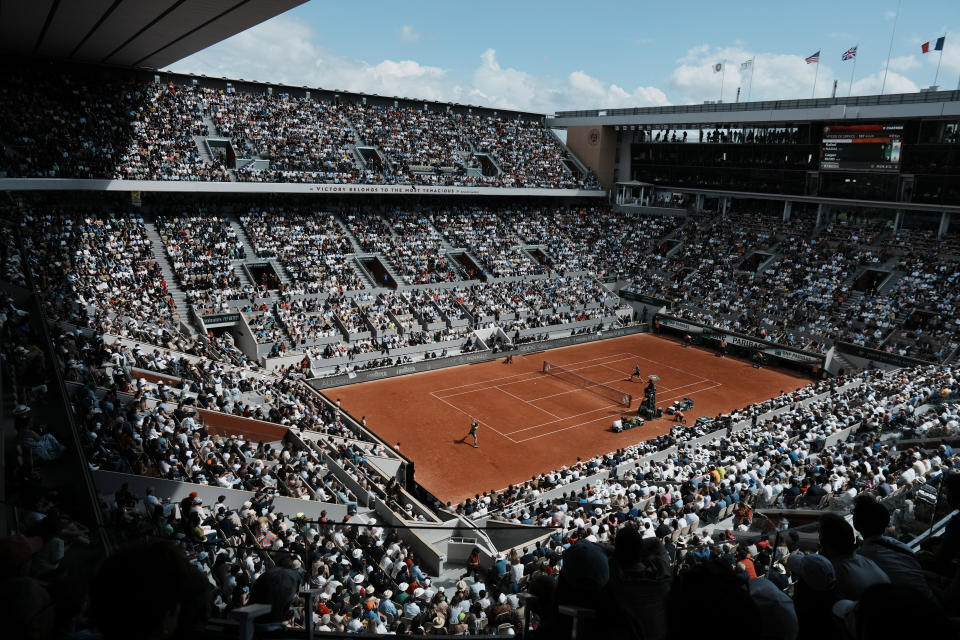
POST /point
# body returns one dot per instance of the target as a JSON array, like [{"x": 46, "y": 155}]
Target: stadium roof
[
  {"x": 924, "y": 104},
  {"x": 127, "y": 33}
]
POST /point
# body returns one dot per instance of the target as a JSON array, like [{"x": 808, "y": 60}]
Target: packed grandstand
[{"x": 165, "y": 358}]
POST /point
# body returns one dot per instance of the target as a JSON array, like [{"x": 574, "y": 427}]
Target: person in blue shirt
[
  {"x": 387, "y": 605},
  {"x": 500, "y": 567},
  {"x": 411, "y": 609}
]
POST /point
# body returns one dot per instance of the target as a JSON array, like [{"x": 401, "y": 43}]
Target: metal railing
[{"x": 772, "y": 105}]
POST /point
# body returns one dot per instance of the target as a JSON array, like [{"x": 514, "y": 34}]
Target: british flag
[{"x": 850, "y": 53}]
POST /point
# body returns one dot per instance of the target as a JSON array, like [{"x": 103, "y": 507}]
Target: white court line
[
  {"x": 527, "y": 402},
  {"x": 517, "y": 375},
  {"x": 590, "y": 366},
  {"x": 479, "y": 421},
  {"x": 563, "y": 393},
  {"x": 576, "y": 415},
  {"x": 550, "y": 433},
  {"x": 535, "y": 376},
  {"x": 657, "y": 362},
  {"x": 574, "y": 426},
  {"x": 690, "y": 393},
  {"x": 687, "y": 385}
]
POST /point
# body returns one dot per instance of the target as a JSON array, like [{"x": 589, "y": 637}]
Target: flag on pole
[
  {"x": 814, "y": 58},
  {"x": 937, "y": 45},
  {"x": 850, "y": 53},
  {"x": 717, "y": 68},
  {"x": 747, "y": 64}
]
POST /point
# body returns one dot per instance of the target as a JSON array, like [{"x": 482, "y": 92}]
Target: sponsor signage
[
  {"x": 877, "y": 356},
  {"x": 680, "y": 325},
  {"x": 222, "y": 318},
  {"x": 77, "y": 184},
  {"x": 466, "y": 358},
  {"x": 738, "y": 340},
  {"x": 636, "y": 297}
]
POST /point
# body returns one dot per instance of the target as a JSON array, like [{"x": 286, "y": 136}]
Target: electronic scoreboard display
[{"x": 861, "y": 147}]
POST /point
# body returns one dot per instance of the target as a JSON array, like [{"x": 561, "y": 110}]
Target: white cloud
[
  {"x": 409, "y": 35},
  {"x": 905, "y": 63},
  {"x": 872, "y": 84},
  {"x": 774, "y": 76},
  {"x": 284, "y": 50}
]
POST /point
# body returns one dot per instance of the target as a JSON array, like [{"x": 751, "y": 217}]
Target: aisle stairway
[{"x": 158, "y": 250}]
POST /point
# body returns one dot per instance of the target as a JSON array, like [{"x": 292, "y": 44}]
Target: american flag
[
  {"x": 850, "y": 53},
  {"x": 814, "y": 58}
]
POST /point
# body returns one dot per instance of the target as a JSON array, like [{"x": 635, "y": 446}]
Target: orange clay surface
[{"x": 532, "y": 422}]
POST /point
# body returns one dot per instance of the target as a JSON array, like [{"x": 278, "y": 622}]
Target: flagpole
[
  {"x": 852, "y": 71},
  {"x": 937, "y": 75},
  {"x": 754, "y": 64},
  {"x": 813, "y": 94},
  {"x": 723, "y": 76},
  {"x": 890, "y": 50}
]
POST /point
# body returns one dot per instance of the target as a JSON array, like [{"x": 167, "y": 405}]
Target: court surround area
[{"x": 532, "y": 422}]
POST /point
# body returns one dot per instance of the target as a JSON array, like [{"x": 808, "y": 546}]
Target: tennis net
[{"x": 599, "y": 388}]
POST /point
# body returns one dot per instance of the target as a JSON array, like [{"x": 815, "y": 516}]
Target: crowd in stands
[
  {"x": 162, "y": 145},
  {"x": 65, "y": 125},
  {"x": 103, "y": 124},
  {"x": 409, "y": 136},
  {"x": 294, "y": 134},
  {"x": 201, "y": 249},
  {"x": 701, "y": 504},
  {"x": 493, "y": 238},
  {"x": 775, "y": 280},
  {"x": 98, "y": 270},
  {"x": 312, "y": 247},
  {"x": 821, "y": 447}
]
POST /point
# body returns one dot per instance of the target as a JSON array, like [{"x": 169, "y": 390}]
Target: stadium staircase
[
  {"x": 349, "y": 235},
  {"x": 891, "y": 282},
  {"x": 203, "y": 149},
  {"x": 840, "y": 362},
  {"x": 569, "y": 156},
  {"x": 252, "y": 255},
  {"x": 238, "y": 264},
  {"x": 358, "y": 159},
  {"x": 391, "y": 269},
  {"x": 853, "y": 297},
  {"x": 449, "y": 250},
  {"x": 158, "y": 250},
  {"x": 773, "y": 259}
]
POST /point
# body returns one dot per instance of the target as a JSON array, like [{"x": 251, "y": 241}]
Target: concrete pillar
[
  {"x": 699, "y": 201},
  {"x": 787, "y": 208},
  {"x": 724, "y": 203},
  {"x": 820, "y": 213},
  {"x": 944, "y": 224},
  {"x": 898, "y": 220}
]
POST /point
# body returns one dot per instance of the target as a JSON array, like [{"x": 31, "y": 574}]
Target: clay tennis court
[{"x": 531, "y": 422}]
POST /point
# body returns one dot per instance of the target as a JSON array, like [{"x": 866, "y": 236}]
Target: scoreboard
[{"x": 861, "y": 147}]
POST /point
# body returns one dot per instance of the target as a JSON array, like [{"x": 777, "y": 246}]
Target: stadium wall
[
  {"x": 596, "y": 147},
  {"x": 185, "y": 186},
  {"x": 467, "y": 358},
  {"x": 108, "y": 482}
]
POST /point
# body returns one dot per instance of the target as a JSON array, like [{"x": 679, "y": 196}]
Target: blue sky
[{"x": 560, "y": 55}]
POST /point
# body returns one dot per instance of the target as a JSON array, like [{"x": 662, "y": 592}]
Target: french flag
[{"x": 937, "y": 45}]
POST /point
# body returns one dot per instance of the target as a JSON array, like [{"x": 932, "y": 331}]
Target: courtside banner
[
  {"x": 878, "y": 356},
  {"x": 739, "y": 340},
  {"x": 468, "y": 358},
  {"x": 636, "y": 297},
  {"x": 679, "y": 324}
]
